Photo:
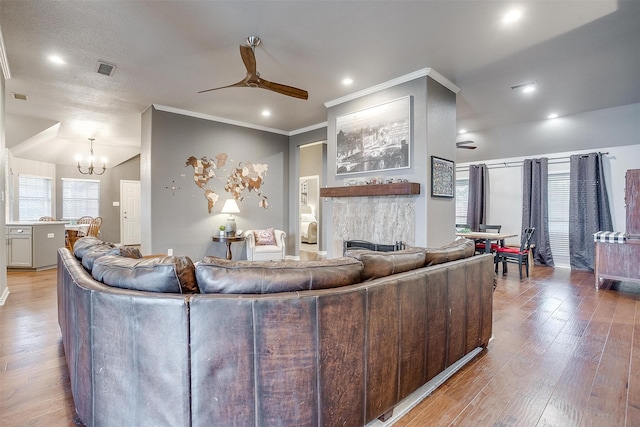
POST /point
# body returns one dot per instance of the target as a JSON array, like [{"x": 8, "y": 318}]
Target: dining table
[
  {"x": 74, "y": 232},
  {"x": 487, "y": 237}
]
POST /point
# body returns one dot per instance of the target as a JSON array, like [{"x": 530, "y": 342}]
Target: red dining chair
[
  {"x": 519, "y": 255},
  {"x": 485, "y": 228}
]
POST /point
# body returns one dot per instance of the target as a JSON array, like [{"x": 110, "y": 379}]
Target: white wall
[
  {"x": 17, "y": 167},
  {"x": 505, "y": 184}
]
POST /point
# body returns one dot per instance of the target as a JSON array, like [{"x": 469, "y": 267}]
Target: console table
[
  {"x": 616, "y": 257},
  {"x": 228, "y": 240}
]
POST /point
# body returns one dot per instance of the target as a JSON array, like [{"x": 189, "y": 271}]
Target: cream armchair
[{"x": 257, "y": 252}]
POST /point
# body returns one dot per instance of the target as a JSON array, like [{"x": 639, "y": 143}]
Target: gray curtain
[
  {"x": 476, "y": 206},
  {"x": 535, "y": 207},
  {"x": 588, "y": 208}
]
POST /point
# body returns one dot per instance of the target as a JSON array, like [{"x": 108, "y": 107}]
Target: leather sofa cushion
[
  {"x": 381, "y": 264},
  {"x": 216, "y": 275},
  {"x": 82, "y": 245},
  {"x": 94, "y": 252},
  {"x": 458, "y": 249},
  {"x": 160, "y": 274}
]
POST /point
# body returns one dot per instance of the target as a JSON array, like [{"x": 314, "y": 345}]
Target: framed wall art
[
  {"x": 374, "y": 139},
  {"x": 442, "y": 182}
]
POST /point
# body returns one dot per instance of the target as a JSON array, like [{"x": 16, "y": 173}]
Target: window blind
[
  {"x": 558, "y": 197},
  {"x": 80, "y": 197},
  {"x": 34, "y": 197},
  {"x": 462, "y": 200}
]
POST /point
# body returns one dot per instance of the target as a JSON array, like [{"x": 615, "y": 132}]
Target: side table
[{"x": 228, "y": 240}]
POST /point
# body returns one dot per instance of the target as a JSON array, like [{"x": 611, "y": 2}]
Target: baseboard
[
  {"x": 4, "y": 296},
  {"x": 402, "y": 408}
]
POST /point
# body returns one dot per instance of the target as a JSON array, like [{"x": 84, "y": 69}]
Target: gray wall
[
  {"x": 433, "y": 133},
  {"x": 181, "y": 221},
  {"x": 109, "y": 193},
  {"x": 591, "y": 130}
]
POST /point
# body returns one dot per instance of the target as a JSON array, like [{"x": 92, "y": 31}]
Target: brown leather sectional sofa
[{"x": 332, "y": 343}]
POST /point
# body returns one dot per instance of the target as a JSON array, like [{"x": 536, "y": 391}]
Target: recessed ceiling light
[
  {"x": 512, "y": 16},
  {"x": 56, "y": 59},
  {"x": 347, "y": 81},
  {"x": 461, "y": 131},
  {"x": 266, "y": 113},
  {"x": 527, "y": 87},
  {"x": 552, "y": 116}
]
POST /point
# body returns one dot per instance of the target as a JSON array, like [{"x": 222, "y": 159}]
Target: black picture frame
[{"x": 442, "y": 177}]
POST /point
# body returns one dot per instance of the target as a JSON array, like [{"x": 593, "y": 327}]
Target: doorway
[{"x": 311, "y": 173}]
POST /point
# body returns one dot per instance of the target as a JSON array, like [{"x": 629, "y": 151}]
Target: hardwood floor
[{"x": 563, "y": 354}]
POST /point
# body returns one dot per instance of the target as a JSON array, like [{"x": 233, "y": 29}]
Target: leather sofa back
[
  {"x": 330, "y": 357},
  {"x": 216, "y": 275}
]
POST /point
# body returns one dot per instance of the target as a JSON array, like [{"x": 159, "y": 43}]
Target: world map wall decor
[{"x": 243, "y": 179}]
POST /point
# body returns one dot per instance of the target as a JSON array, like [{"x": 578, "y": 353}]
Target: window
[
  {"x": 558, "y": 198},
  {"x": 34, "y": 197},
  {"x": 462, "y": 200},
  {"x": 80, "y": 197}
]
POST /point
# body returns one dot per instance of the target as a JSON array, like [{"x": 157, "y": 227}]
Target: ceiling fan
[
  {"x": 463, "y": 144},
  {"x": 253, "y": 79}
]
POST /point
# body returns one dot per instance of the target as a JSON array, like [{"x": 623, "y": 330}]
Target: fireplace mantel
[{"x": 393, "y": 189}]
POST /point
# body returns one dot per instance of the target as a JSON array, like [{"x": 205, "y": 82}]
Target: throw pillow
[{"x": 265, "y": 237}]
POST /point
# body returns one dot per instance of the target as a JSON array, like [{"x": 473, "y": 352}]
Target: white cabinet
[
  {"x": 34, "y": 245},
  {"x": 19, "y": 249}
]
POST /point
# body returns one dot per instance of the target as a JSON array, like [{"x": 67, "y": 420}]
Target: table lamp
[{"x": 230, "y": 207}]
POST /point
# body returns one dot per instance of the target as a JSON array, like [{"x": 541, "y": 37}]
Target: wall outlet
[
  {"x": 170, "y": 252},
  {"x": 50, "y": 235}
]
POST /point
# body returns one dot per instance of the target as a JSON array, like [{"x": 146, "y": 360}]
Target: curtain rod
[{"x": 552, "y": 160}]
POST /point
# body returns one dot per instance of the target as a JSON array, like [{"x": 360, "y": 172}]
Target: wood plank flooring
[{"x": 563, "y": 354}]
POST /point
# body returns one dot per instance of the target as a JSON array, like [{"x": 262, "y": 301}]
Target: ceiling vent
[
  {"x": 105, "y": 69},
  {"x": 19, "y": 96}
]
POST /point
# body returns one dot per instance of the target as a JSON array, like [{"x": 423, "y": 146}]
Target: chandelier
[{"x": 90, "y": 169}]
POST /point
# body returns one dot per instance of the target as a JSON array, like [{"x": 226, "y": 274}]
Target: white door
[{"x": 130, "y": 225}]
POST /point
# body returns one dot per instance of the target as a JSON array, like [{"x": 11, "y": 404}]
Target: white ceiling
[{"x": 585, "y": 55}]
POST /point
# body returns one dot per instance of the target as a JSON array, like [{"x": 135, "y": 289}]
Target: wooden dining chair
[
  {"x": 94, "y": 227},
  {"x": 516, "y": 255},
  {"x": 486, "y": 228},
  {"x": 84, "y": 220}
]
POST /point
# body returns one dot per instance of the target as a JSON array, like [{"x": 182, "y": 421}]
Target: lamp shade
[{"x": 230, "y": 207}]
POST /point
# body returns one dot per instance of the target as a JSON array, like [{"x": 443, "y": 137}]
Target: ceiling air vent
[
  {"x": 19, "y": 96},
  {"x": 105, "y": 69}
]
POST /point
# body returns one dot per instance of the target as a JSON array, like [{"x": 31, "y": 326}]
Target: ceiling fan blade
[
  {"x": 249, "y": 59},
  {"x": 241, "y": 83},
  {"x": 462, "y": 144},
  {"x": 283, "y": 89}
]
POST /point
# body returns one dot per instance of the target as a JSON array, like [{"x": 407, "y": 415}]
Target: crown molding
[
  {"x": 395, "y": 82},
  {"x": 308, "y": 128},
  {"x": 4, "y": 62},
  {"x": 218, "y": 119}
]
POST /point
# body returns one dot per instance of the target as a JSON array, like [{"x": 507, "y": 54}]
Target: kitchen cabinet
[{"x": 34, "y": 245}]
